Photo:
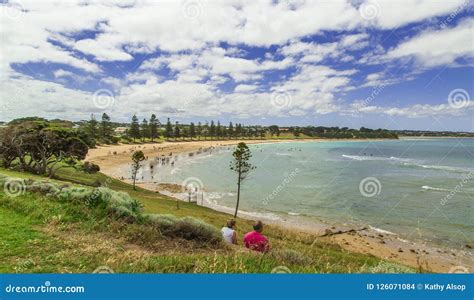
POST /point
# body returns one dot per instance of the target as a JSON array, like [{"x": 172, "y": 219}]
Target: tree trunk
[
  {"x": 238, "y": 195},
  {"x": 134, "y": 178}
]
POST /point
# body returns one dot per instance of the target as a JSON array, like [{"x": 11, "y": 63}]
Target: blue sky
[{"x": 390, "y": 64}]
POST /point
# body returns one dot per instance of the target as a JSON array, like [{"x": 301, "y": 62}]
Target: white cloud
[
  {"x": 245, "y": 88},
  {"x": 47, "y": 32},
  {"x": 389, "y": 14},
  {"x": 438, "y": 47},
  {"x": 421, "y": 110},
  {"x": 62, "y": 73}
]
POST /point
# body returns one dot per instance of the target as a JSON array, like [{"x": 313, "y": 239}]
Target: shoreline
[{"x": 362, "y": 239}]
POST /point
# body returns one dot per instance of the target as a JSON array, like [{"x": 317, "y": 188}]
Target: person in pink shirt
[{"x": 255, "y": 240}]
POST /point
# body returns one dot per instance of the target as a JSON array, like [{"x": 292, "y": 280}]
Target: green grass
[{"x": 42, "y": 234}]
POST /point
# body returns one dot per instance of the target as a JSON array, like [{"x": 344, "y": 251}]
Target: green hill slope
[{"x": 54, "y": 226}]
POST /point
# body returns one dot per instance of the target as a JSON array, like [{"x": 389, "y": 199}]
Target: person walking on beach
[
  {"x": 255, "y": 240},
  {"x": 228, "y": 232}
]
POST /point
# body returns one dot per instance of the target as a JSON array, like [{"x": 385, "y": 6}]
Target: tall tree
[
  {"x": 230, "y": 131},
  {"x": 137, "y": 158},
  {"x": 168, "y": 130},
  {"x": 218, "y": 130},
  {"x": 206, "y": 130},
  {"x": 92, "y": 127},
  {"x": 238, "y": 130},
  {"x": 192, "y": 130},
  {"x": 212, "y": 129},
  {"x": 199, "y": 130},
  {"x": 242, "y": 166},
  {"x": 134, "y": 128},
  {"x": 144, "y": 130},
  {"x": 106, "y": 131},
  {"x": 274, "y": 129},
  {"x": 154, "y": 123},
  {"x": 177, "y": 132}
]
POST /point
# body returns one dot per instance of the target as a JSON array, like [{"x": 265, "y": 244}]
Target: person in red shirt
[{"x": 255, "y": 240}]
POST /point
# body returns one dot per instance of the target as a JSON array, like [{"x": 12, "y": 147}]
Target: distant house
[
  {"x": 284, "y": 129},
  {"x": 120, "y": 130}
]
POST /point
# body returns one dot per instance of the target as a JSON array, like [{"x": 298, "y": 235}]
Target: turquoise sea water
[{"x": 419, "y": 188}]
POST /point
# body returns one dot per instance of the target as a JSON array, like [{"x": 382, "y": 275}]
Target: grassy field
[{"x": 39, "y": 233}]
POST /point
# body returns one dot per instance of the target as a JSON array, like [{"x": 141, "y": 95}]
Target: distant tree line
[
  {"x": 342, "y": 133},
  {"x": 103, "y": 131}
]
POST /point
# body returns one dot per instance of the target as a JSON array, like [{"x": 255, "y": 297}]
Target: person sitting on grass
[
  {"x": 228, "y": 232},
  {"x": 255, "y": 240}
]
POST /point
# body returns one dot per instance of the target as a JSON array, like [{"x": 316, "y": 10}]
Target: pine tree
[
  {"x": 218, "y": 130},
  {"x": 106, "y": 132},
  {"x": 144, "y": 130},
  {"x": 177, "y": 132},
  {"x": 153, "y": 125},
  {"x": 91, "y": 127},
  {"x": 206, "y": 130},
  {"x": 168, "y": 130},
  {"x": 242, "y": 166},
  {"x": 230, "y": 131},
  {"x": 212, "y": 130},
  {"x": 192, "y": 131},
  {"x": 134, "y": 128},
  {"x": 137, "y": 158},
  {"x": 199, "y": 130}
]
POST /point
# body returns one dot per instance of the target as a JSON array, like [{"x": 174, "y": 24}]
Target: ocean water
[{"x": 418, "y": 188}]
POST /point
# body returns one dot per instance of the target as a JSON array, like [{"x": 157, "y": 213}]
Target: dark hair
[
  {"x": 258, "y": 226},
  {"x": 231, "y": 223}
]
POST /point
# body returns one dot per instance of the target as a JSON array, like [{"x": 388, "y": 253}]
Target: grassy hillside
[{"x": 41, "y": 232}]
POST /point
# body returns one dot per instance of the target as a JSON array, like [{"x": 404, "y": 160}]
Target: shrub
[
  {"x": 43, "y": 187},
  {"x": 389, "y": 267},
  {"x": 187, "y": 228},
  {"x": 193, "y": 229},
  {"x": 165, "y": 223},
  {"x": 122, "y": 206},
  {"x": 90, "y": 168},
  {"x": 119, "y": 204}
]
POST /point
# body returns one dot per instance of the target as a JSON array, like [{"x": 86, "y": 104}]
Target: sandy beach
[
  {"x": 368, "y": 240},
  {"x": 109, "y": 157}
]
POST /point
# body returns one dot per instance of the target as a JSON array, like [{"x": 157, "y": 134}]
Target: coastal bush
[
  {"x": 90, "y": 168},
  {"x": 164, "y": 223},
  {"x": 388, "y": 267},
  {"x": 187, "y": 228},
  {"x": 118, "y": 205}
]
